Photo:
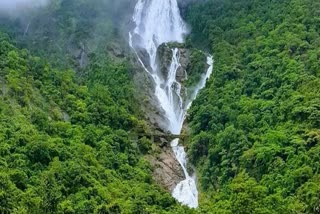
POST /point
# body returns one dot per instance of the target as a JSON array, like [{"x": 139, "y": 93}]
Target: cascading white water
[{"x": 158, "y": 22}]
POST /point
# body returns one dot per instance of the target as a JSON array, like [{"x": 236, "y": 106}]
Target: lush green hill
[
  {"x": 64, "y": 145},
  {"x": 64, "y": 134},
  {"x": 256, "y": 127}
]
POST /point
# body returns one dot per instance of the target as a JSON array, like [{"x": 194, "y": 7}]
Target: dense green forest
[
  {"x": 256, "y": 127},
  {"x": 68, "y": 107},
  {"x": 65, "y": 145}
]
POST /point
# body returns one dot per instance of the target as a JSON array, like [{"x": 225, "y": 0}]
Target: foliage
[
  {"x": 196, "y": 67},
  {"x": 64, "y": 145},
  {"x": 255, "y": 128},
  {"x": 64, "y": 136}
]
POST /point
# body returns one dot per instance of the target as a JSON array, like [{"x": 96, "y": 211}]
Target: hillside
[
  {"x": 255, "y": 128},
  {"x": 65, "y": 145},
  {"x": 87, "y": 114}
]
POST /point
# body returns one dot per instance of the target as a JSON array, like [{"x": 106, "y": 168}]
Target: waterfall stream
[{"x": 157, "y": 22}]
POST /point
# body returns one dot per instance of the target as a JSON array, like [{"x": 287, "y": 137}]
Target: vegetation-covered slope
[
  {"x": 64, "y": 146},
  {"x": 64, "y": 137},
  {"x": 256, "y": 127},
  {"x": 65, "y": 143},
  {"x": 65, "y": 31}
]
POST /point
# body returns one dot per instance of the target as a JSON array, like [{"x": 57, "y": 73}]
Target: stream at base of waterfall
[{"x": 157, "y": 22}]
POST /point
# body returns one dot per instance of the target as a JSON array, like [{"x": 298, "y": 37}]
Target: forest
[
  {"x": 68, "y": 106},
  {"x": 65, "y": 146},
  {"x": 256, "y": 127},
  {"x": 64, "y": 136}
]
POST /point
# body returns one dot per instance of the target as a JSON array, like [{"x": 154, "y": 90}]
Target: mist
[{"x": 17, "y": 7}]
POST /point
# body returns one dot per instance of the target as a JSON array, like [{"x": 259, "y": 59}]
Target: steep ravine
[{"x": 166, "y": 67}]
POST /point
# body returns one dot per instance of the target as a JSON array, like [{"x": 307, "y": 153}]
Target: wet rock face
[
  {"x": 145, "y": 84},
  {"x": 166, "y": 169},
  {"x": 145, "y": 94},
  {"x": 164, "y": 58},
  {"x": 184, "y": 61},
  {"x": 145, "y": 58},
  {"x": 141, "y": 52}
]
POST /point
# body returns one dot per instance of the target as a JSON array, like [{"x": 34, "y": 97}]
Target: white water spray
[{"x": 158, "y": 22}]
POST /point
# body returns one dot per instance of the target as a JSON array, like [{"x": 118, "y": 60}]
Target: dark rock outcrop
[{"x": 164, "y": 58}]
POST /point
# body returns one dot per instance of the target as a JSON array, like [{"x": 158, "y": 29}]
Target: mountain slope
[
  {"x": 256, "y": 126},
  {"x": 65, "y": 146}
]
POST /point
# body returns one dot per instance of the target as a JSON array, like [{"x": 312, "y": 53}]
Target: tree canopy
[
  {"x": 64, "y": 144},
  {"x": 256, "y": 127}
]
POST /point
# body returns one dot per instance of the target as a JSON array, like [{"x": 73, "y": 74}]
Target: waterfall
[{"x": 157, "y": 22}]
